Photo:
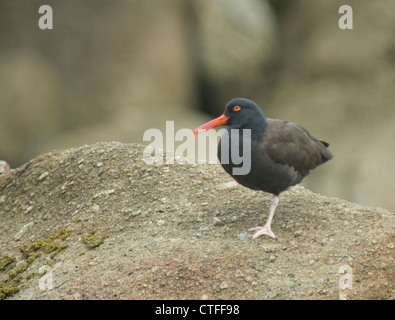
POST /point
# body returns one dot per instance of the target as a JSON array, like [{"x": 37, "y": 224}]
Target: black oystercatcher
[{"x": 281, "y": 153}]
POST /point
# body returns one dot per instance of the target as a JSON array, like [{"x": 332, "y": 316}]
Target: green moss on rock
[
  {"x": 91, "y": 240},
  {"x": 6, "y": 262},
  {"x": 30, "y": 252},
  {"x": 47, "y": 245}
]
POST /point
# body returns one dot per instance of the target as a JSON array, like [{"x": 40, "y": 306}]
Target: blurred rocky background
[{"x": 109, "y": 70}]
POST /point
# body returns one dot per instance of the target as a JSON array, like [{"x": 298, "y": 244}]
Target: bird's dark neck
[{"x": 257, "y": 125}]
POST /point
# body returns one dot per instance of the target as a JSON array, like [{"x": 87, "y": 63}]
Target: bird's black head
[
  {"x": 243, "y": 112},
  {"x": 239, "y": 113}
]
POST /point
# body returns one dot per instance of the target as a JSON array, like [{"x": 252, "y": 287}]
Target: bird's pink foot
[{"x": 265, "y": 230}]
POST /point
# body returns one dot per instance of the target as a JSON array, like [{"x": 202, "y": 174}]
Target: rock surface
[{"x": 105, "y": 225}]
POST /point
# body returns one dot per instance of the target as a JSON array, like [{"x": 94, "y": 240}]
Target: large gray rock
[{"x": 105, "y": 225}]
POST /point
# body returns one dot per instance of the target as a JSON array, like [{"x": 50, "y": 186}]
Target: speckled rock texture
[{"x": 97, "y": 222}]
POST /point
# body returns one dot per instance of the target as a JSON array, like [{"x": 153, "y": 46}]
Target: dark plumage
[{"x": 282, "y": 152}]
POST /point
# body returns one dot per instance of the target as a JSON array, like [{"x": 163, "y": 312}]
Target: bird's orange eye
[{"x": 236, "y": 108}]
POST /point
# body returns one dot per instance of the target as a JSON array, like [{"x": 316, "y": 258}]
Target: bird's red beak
[{"x": 212, "y": 124}]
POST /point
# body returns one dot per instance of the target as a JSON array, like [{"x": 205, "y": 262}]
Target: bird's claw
[{"x": 265, "y": 230}]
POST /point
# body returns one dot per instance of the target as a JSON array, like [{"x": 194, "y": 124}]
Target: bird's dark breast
[{"x": 264, "y": 174}]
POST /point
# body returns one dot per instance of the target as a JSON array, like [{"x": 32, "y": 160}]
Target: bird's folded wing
[{"x": 288, "y": 143}]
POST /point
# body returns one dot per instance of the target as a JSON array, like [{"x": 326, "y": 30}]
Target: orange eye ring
[{"x": 236, "y": 108}]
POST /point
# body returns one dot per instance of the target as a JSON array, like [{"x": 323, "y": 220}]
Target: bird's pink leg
[{"x": 266, "y": 229}]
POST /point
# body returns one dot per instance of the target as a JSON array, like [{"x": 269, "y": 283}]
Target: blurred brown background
[{"x": 109, "y": 70}]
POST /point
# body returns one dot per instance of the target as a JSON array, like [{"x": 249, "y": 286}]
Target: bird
[{"x": 281, "y": 152}]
